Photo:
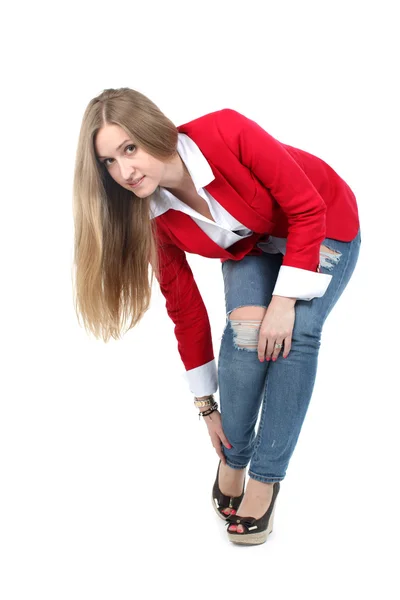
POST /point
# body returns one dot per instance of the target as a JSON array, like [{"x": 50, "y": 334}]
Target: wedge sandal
[
  {"x": 255, "y": 531},
  {"x": 220, "y": 501}
]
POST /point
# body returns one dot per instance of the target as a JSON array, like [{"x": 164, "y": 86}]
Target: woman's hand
[
  {"x": 277, "y": 327},
  {"x": 213, "y": 422}
]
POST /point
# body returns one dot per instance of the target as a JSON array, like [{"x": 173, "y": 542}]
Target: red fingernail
[
  {"x": 268, "y": 358},
  {"x": 274, "y": 359}
]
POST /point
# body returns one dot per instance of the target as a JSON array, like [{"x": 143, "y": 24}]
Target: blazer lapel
[
  {"x": 235, "y": 204},
  {"x": 191, "y": 238}
]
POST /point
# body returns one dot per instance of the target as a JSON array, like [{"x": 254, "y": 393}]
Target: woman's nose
[{"x": 127, "y": 171}]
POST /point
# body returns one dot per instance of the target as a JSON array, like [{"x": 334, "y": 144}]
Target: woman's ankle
[{"x": 228, "y": 468}]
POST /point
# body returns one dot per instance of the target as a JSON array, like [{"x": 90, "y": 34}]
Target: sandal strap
[
  {"x": 235, "y": 501},
  {"x": 228, "y": 501},
  {"x": 223, "y": 500},
  {"x": 245, "y": 521}
]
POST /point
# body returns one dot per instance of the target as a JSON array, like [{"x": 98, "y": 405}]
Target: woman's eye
[{"x": 129, "y": 146}]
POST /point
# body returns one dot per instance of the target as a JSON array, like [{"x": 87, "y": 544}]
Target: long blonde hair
[{"x": 115, "y": 238}]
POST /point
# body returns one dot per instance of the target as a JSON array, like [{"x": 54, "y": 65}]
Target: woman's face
[{"x": 126, "y": 162}]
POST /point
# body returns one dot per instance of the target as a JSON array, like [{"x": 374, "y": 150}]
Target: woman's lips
[{"x": 133, "y": 185}]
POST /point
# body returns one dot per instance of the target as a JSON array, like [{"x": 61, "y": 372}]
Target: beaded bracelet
[{"x": 209, "y": 410}]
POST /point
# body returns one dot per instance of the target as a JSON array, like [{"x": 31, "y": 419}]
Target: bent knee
[
  {"x": 248, "y": 312},
  {"x": 246, "y": 322}
]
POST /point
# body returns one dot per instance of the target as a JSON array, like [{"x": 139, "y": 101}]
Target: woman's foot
[
  {"x": 230, "y": 482},
  {"x": 255, "y": 502}
]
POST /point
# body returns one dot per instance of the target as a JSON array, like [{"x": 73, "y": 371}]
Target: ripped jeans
[{"x": 282, "y": 389}]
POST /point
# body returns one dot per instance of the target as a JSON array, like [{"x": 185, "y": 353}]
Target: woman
[{"x": 284, "y": 225}]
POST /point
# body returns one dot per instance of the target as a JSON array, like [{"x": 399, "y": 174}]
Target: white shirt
[{"x": 291, "y": 282}]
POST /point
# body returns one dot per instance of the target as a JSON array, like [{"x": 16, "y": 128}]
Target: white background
[{"x": 105, "y": 469}]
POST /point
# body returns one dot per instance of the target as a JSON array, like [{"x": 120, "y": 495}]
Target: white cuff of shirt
[
  {"x": 301, "y": 284},
  {"x": 203, "y": 380}
]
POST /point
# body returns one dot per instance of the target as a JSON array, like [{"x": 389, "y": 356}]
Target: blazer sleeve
[
  {"x": 305, "y": 209},
  {"x": 186, "y": 309}
]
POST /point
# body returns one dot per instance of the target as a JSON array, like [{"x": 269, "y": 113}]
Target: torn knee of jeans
[
  {"x": 328, "y": 257},
  {"x": 246, "y": 333}
]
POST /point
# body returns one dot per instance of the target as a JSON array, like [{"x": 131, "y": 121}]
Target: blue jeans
[{"x": 283, "y": 388}]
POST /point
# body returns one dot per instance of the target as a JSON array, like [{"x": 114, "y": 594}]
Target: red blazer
[{"x": 271, "y": 188}]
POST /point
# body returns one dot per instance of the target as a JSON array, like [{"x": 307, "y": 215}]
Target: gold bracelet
[
  {"x": 210, "y": 410},
  {"x": 208, "y": 402}
]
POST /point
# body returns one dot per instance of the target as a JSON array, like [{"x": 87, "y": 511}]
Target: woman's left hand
[{"x": 277, "y": 328}]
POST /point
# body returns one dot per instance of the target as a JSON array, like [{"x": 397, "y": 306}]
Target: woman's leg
[
  {"x": 241, "y": 376},
  {"x": 290, "y": 381},
  {"x": 247, "y": 283}
]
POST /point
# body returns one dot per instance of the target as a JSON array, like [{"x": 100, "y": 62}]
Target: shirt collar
[{"x": 199, "y": 170}]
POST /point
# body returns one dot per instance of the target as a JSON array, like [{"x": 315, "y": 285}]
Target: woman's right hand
[{"x": 218, "y": 437}]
